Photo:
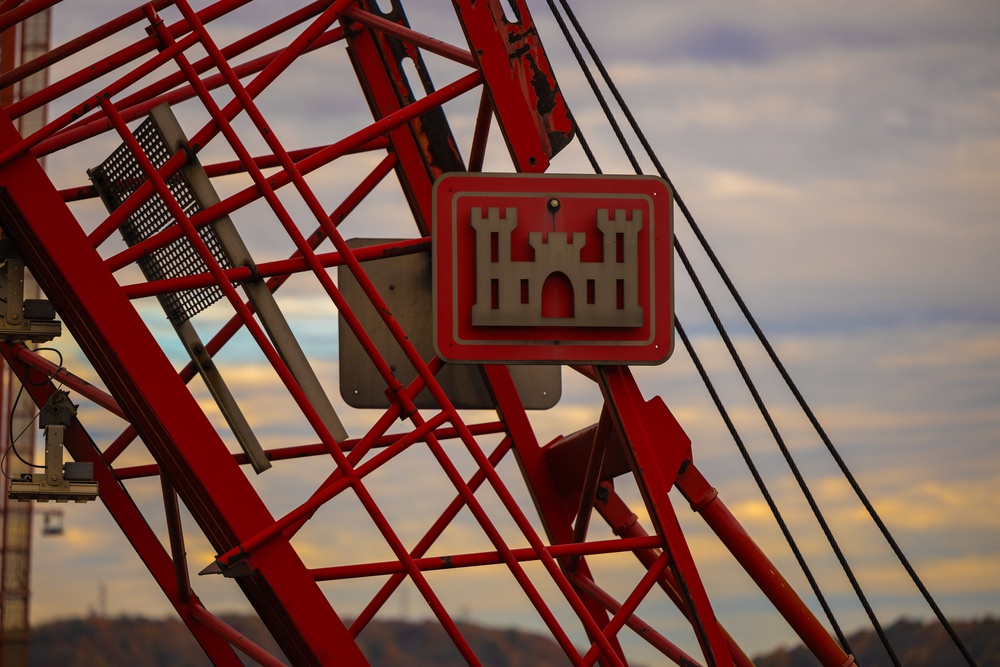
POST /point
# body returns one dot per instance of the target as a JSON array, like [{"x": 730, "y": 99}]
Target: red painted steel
[
  {"x": 572, "y": 550},
  {"x": 89, "y": 38},
  {"x": 591, "y": 480},
  {"x": 499, "y": 241},
  {"x": 171, "y": 424},
  {"x": 128, "y": 516},
  {"x": 252, "y": 193},
  {"x": 657, "y": 467},
  {"x": 119, "y": 59},
  {"x": 235, "y": 637},
  {"x": 306, "y": 451},
  {"x": 17, "y": 436},
  {"x": 370, "y": 17},
  {"x": 624, "y": 612},
  {"x": 27, "y": 143},
  {"x": 424, "y": 144},
  {"x": 63, "y": 376},
  {"x": 14, "y": 15},
  {"x": 138, "y": 104},
  {"x": 16, "y": 527},
  {"x": 277, "y": 268},
  {"x": 556, "y": 515},
  {"x": 529, "y": 106},
  {"x": 547, "y": 562},
  {"x": 705, "y": 500},
  {"x": 625, "y": 523},
  {"x": 643, "y": 629}
]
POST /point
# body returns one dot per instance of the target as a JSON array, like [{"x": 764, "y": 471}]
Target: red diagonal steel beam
[
  {"x": 655, "y": 467},
  {"x": 705, "y": 501},
  {"x": 530, "y": 108},
  {"x": 624, "y": 523},
  {"x": 76, "y": 45},
  {"x": 556, "y": 515},
  {"x": 124, "y": 511},
  {"x": 424, "y": 144},
  {"x": 60, "y": 374},
  {"x": 167, "y": 417},
  {"x": 151, "y": 95},
  {"x": 120, "y": 58},
  {"x": 641, "y": 628}
]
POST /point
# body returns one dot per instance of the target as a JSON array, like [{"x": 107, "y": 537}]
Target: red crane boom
[{"x": 221, "y": 202}]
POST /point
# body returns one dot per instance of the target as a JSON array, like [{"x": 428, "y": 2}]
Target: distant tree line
[
  {"x": 130, "y": 641},
  {"x": 916, "y": 644}
]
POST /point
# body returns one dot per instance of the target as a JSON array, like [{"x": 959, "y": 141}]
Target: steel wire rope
[
  {"x": 709, "y": 385},
  {"x": 817, "y": 512},
  {"x": 13, "y": 409},
  {"x": 593, "y": 161},
  {"x": 800, "y": 480},
  {"x": 761, "y": 485},
  {"x": 772, "y": 427},
  {"x": 12, "y": 445},
  {"x": 821, "y": 432},
  {"x": 585, "y": 146}
]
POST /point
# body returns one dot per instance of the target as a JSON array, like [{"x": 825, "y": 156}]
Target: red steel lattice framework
[{"x": 169, "y": 52}]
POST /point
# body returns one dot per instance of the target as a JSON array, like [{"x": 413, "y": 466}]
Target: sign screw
[{"x": 553, "y": 204}]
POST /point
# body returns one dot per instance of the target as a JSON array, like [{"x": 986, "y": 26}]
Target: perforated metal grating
[{"x": 118, "y": 177}]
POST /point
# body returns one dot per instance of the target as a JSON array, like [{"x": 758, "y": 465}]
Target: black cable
[
  {"x": 706, "y": 380},
  {"x": 13, "y": 408},
  {"x": 849, "y": 476},
  {"x": 10, "y": 431},
  {"x": 3, "y": 462},
  {"x": 699, "y": 628},
  {"x": 585, "y": 146},
  {"x": 796, "y": 473},
  {"x": 789, "y": 460},
  {"x": 827, "y": 442},
  {"x": 761, "y": 485},
  {"x": 593, "y": 85}
]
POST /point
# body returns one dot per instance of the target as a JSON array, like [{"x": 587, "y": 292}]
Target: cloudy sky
[{"x": 844, "y": 161}]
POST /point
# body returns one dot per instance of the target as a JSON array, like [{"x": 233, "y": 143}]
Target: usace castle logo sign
[{"x": 552, "y": 269}]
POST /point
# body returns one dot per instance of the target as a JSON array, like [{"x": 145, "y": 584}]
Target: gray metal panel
[
  {"x": 268, "y": 312},
  {"x": 405, "y": 284},
  {"x": 115, "y": 180}
]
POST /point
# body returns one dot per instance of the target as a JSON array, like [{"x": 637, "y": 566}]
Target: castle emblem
[{"x": 557, "y": 287}]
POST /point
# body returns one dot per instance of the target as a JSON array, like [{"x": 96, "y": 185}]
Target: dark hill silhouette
[
  {"x": 915, "y": 643},
  {"x": 130, "y": 641}
]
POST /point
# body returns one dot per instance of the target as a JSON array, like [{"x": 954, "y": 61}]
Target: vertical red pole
[{"x": 8, "y": 51}]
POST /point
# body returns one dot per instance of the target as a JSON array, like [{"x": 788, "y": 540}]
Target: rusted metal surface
[
  {"x": 530, "y": 108},
  {"x": 425, "y": 146},
  {"x": 528, "y": 505}
]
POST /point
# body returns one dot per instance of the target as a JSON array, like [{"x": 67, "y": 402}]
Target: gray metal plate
[{"x": 405, "y": 284}]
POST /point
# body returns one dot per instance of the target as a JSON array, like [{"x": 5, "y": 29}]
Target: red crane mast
[{"x": 175, "y": 113}]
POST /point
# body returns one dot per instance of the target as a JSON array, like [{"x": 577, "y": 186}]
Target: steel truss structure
[{"x": 224, "y": 89}]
